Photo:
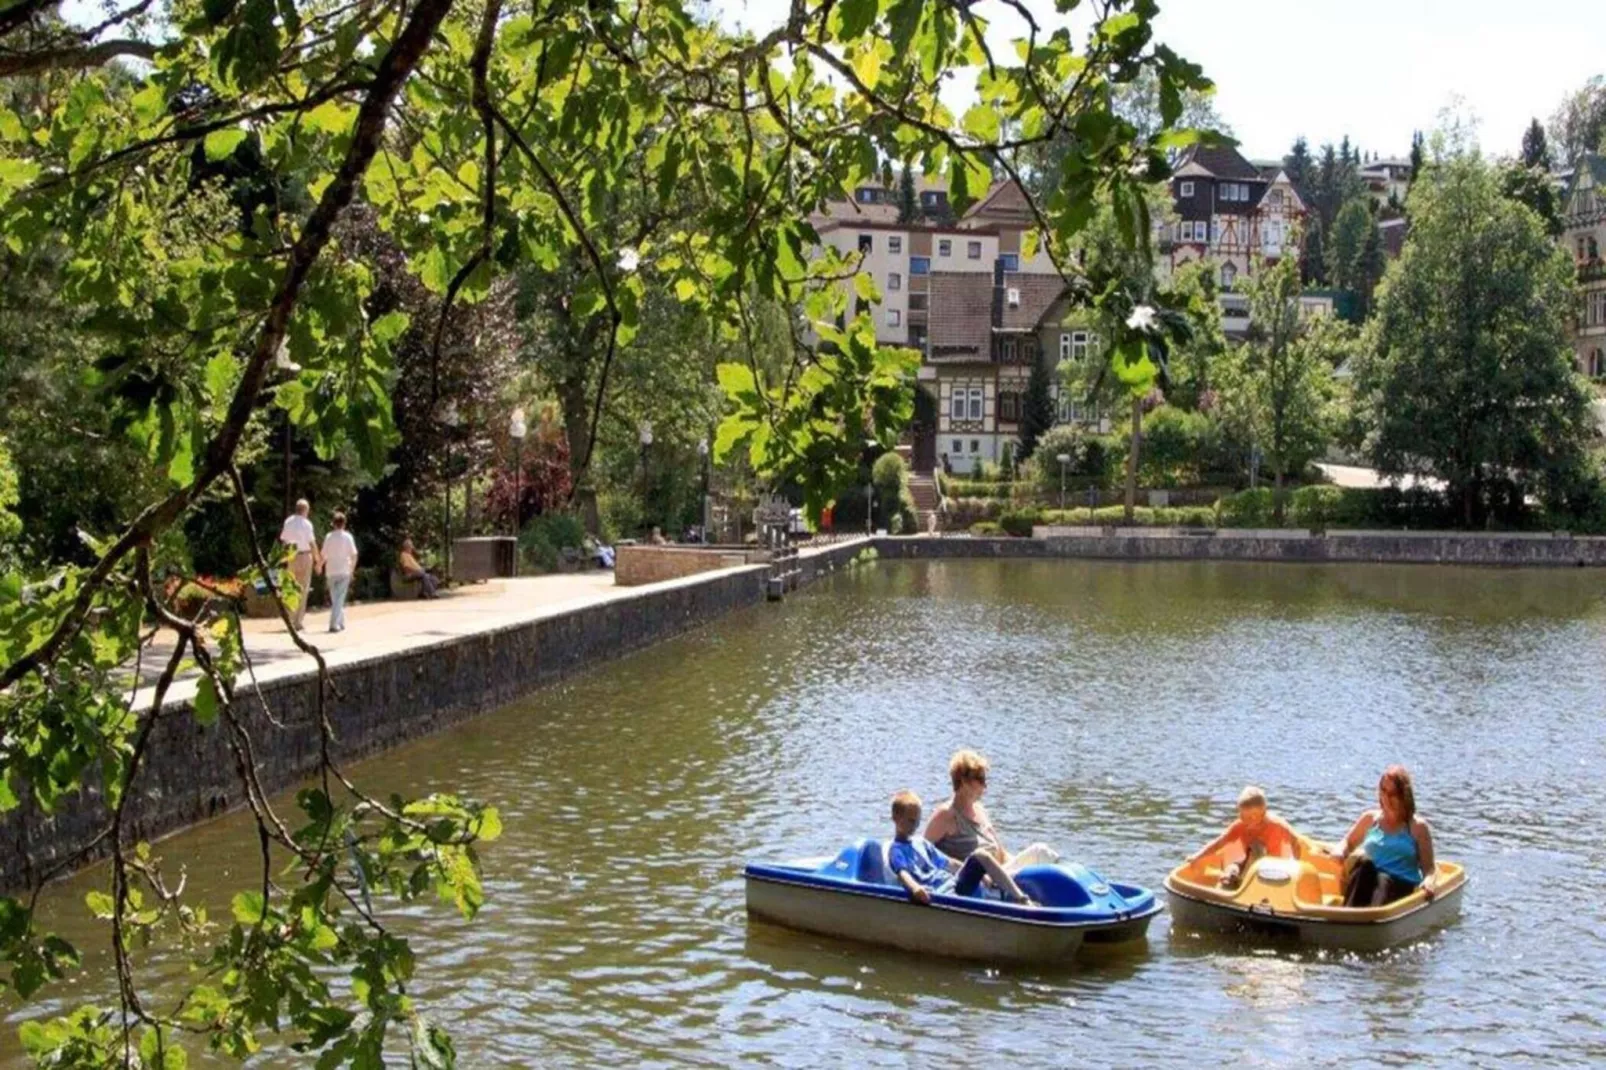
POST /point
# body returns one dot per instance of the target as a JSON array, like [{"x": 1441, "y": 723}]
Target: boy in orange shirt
[{"x": 1260, "y": 833}]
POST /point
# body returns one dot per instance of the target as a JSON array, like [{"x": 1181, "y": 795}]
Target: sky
[{"x": 1372, "y": 69}]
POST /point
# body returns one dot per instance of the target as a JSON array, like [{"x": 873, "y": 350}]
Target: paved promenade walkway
[
  {"x": 378, "y": 629},
  {"x": 375, "y": 629}
]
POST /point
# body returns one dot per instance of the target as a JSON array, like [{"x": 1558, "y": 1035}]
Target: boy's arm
[
  {"x": 1216, "y": 844},
  {"x": 918, "y": 892}
]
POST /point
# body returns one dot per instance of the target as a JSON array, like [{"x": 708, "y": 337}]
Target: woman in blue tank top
[{"x": 1392, "y": 848}]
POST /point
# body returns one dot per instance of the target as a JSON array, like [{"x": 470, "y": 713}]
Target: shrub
[
  {"x": 1246, "y": 509},
  {"x": 544, "y": 539},
  {"x": 974, "y": 488},
  {"x": 895, "y": 525},
  {"x": 1019, "y": 522},
  {"x": 964, "y": 512},
  {"x": 1315, "y": 507},
  {"x": 895, "y": 502},
  {"x": 1176, "y": 445},
  {"x": 988, "y": 472},
  {"x": 985, "y": 527},
  {"x": 1190, "y": 516}
]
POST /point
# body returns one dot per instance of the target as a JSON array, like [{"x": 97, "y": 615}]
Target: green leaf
[
  {"x": 867, "y": 65},
  {"x": 220, "y": 144},
  {"x": 864, "y": 286},
  {"x": 736, "y": 380},
  {"x": 206, "y": 704},
  {"x": 433, "y": 272},
  {"x": 100, "y": 904},
  {"x": 248, "y": 907},
  {"x": 982, "y": 122}
]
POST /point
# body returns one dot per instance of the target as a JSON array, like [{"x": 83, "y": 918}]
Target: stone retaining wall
[
  {"x": 1519, "y": 549},
  {"x": 189, "y": 774},
  {"x": 636, "y": 565}
]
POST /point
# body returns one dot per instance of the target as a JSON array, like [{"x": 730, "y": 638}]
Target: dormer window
[
  {"x": 1013, "y": 297},
  {"x": 1185, "y": 189}
]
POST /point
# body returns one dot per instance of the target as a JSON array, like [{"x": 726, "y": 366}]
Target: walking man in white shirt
[
  {"x": 339, "y": 565},
  {"x": 297, "y": 532}
]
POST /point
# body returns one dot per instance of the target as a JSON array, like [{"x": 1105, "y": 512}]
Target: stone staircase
[{"x": 923, "y": 488}]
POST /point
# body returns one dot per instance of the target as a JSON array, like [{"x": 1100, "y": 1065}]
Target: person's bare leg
[{"x": 1001, "y": 878}]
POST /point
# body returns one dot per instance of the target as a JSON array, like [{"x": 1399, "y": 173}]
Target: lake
[{"x": 1123, "y": 706}]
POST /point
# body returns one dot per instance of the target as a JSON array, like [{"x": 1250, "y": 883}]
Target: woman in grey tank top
[{"x": 960, "y": 826}]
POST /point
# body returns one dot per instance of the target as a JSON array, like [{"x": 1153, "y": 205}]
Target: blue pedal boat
[{"x": 855, "y": 895}]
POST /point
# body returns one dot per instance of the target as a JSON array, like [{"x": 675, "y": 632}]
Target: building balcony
[{"x": 1591, "y": 270}]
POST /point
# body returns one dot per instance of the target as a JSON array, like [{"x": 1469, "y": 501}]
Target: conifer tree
[
  {"x": 908, "y": 207},
  {"x": 1038, "y": 419},
  {"x": 1535, "y": 149}
]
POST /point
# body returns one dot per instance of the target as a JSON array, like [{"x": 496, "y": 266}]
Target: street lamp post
[
  {"x": 702, "y": 453},
  {"x": 644, "y": 436},
  {"x": 449, "y": 419},
  {"x": 1064, "y": 459},
  {"x": 517, "y": 429}
]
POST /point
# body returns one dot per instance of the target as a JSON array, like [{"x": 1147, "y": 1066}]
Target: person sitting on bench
[{"x": 410, "y": 568}]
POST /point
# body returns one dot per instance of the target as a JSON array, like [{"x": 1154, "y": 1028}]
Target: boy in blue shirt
[{"x": 922, "y": 869}]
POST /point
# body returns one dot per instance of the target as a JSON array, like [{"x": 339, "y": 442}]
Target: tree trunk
[
  {"x": 574, "y": 400},
  {"x": 1277, "y": 494},
  {"x": 1132, "y": 459}
]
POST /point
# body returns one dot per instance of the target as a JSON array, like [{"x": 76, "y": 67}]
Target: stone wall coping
[{"x": 1057, "y": 531}]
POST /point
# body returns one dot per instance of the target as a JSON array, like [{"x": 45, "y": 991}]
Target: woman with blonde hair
[{"x": 960, "y": 826}]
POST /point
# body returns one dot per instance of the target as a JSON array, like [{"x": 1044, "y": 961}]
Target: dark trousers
[
  {"x": 1369, "y": 887},
  {"x": 969, "y": 877}
]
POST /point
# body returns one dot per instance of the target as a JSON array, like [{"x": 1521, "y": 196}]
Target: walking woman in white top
[{"x": 339, "y": 565}]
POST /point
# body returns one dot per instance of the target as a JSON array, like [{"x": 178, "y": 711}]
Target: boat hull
[
  {"x": 902, "y": 923},
  {"x": 1287, "y": 917}
]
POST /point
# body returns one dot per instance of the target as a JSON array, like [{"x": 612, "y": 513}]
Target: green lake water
[{"x": 1123, "y": 706}]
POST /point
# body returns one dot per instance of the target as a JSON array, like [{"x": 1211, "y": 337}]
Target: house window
[
  {"x": 865, "y": 195},
  {"x": 1013, "y": 297},
  {"x": 975, "y": 404},
  {"x": 1276, "y": 198},
  {"x": 1185, "y": 190},
  {"x": 895, "y": 243},
  {"x": 928, "y": 199},
  {"x": 1597, "y": 364},
  {"x": 973, "y": 250},
  {"x": 894, "y": 318},
  {"x": 959, "y": 445},
  {"x": 920, "y": 265},
  {"x": 1007, "y": 350},
  {"x": 956, "y": 409},
  {"x": 1065, "y": 345},
  {"x": 917, "y": 302},
  {"x": 866, "y": 243},
  {"x": 1009, "y": 406},
  {"x": 945, "y": 247},
  {"x": 1081, "y": 341},
  {"x": 975, "y": 445},
  {"x": 1010, "y": 261},
  {"x": 1229, "y": 275},
  {"x": 894, "y": 281}
]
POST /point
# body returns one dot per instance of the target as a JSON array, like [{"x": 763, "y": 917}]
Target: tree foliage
[
  {"x": 1469, "y": 376},
  {"x": 1040, "y": 413},
  {"x": 1579, "y": 124},
  {"x": 486, "y": 140},
  {"x": 1277, "y": 387}
]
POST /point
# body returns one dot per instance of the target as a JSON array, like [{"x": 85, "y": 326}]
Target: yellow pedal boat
[{"x": 1303, "y": 899}]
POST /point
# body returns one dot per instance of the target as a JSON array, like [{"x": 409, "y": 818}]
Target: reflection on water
[{"x": 1123, "y": 706}]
